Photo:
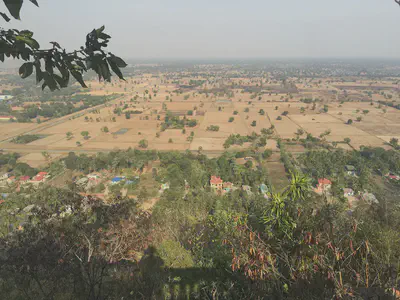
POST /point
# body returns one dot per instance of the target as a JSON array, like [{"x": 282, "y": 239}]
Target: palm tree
[
  {"x": 277, "y": 217},
  {"x": 298, "y": 188}
]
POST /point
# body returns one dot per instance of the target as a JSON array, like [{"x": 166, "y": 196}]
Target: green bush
[{"x": 174, "y": 255}]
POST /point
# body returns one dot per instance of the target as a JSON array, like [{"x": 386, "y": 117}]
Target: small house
[
  {"x": 324, "y": 185},
  {"x": 24, "y": 179},
  {"x": 40, "y": 178},
  {"x": 350, "y": 170},
  {"x": 347, "y": 192},
  {"x": 117, "y": 179},
  {"x": 4, "y": 176},
  {"x": 165, "y": 186},
  {"x": 392, "y": 176},
  {"x": 187, "y": 185},
  {"x": 247, "y": 189},
  {"x": 83, "y": 181},
  {"x": 94, "y": 176},
  {"x": 263, "y": 189},
  {"x": 216, "y": 183},
  {"x": 5, "y": 97},
  {"x": 11, "y": 179},
  {"x": 369, "y": 198},
  {"x": 7, "y": 118},
  {"x": 227, "y": 186}
]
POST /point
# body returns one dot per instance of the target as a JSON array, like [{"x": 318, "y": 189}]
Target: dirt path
[{"x": 148, "y": 205}]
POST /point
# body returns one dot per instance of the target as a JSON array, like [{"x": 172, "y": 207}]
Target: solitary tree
[
  {"x": 143, "y": 144},
  {"x": 85, "y": 135},
  {"x": 46, "y": 155},
  {"x": 394, "y": 143},
  {"x": 69, "y": 135}
]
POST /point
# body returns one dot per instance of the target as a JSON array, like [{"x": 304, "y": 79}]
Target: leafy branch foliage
[{"x": 54, "y": 66}]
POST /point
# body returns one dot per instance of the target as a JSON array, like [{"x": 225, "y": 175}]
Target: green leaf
[
  {"x": 78, "y": 76},
  {"x": 5, "y": 17},
  {"x": 28, "y": 40},
  {"x": 61, "y": 81},
  {"x": 49, "y": 81},
  {"x": 26, "y": 69},
  {"x": 35, "y": 2},
  {"x": 49, "y": 64},
  {"x": 105, "y": 70},
  {"x": 81, "y": 64},
  {"x": 26, "y": 33},
  {"x": 14, "y": 7},
  {"x": 39, "y": 75},
  {"x": 115, "y": 68},
  {"x": 118, "y": 61},
  {"x": 104, "y": 36},
  {"x": 25, "y": 53},
  {"x": 63, "y": 69},
  {"x": 100, "y": 30}
]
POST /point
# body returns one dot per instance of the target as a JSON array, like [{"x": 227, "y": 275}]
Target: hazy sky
[{"x": 223, "y": 28}]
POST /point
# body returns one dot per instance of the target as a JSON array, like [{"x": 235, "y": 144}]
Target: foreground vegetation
[{"x": 57, "y": 243}]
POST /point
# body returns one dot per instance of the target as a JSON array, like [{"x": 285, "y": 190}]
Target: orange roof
[
  {"x": 324, "y": 181},
  {"x": 216, "y": 180},
  {"x": 17, "y": 108},
  {"x": 38, "y": 178}
]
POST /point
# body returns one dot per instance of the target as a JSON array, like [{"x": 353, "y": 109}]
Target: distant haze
[{"x": 221, "y": 28}]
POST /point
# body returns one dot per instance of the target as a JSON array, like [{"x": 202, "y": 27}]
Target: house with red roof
[
  {"x": 11, "y": 179},
  {"x": 40, "y": 178},
  {"x": 4, "y": 176},
  {"x": 216, "y": 183},
  {"x": 324, "y": 185},
  {"x": 17, "y": 108},
  {"x": 392, "y": 176},
  {"x": 24, "y": 179},
  {"x": 7, "y": 118}
]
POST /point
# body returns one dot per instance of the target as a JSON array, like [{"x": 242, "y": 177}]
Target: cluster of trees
[
  {"x": 390, "y": 104},
  {"x": 25, "y": 139},
  {"x": 257, "y": 139},
  {"x": 286, "y": 158},
  {"x": 59, "y": 107},
  {"x": 213, "y": 128},
  {"x": 174, "y": 122},
  {"x": 112, "y": 161},
  {"x": 237, "y": 139}
]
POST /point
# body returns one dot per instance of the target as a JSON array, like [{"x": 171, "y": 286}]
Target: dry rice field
[{"x": 376, "y": 128}]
